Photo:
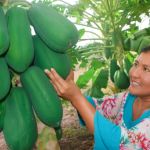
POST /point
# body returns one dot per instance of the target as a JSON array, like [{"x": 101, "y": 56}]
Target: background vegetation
[{"x": 109, "y": 40}]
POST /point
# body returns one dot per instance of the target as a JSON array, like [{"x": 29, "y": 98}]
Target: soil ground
[{"x": 75, "y": 136}]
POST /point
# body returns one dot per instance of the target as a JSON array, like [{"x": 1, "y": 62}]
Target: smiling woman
[
  {"x": 120, "y": 121},
  {"x": 140, "y": 76},
  {"x": 140, "y": 83}
]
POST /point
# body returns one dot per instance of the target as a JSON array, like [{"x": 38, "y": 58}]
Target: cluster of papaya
[
  {"x": 27, "y": 56},
  {"x": 120, "y": 75},
  {"x": 131, "y": 46},
  {"x": 138, "y": 41}
]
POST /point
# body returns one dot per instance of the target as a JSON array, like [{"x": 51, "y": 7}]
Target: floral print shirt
[{"x": 114, "y": 117}]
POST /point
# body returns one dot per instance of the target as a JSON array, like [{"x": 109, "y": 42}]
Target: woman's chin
[{"x": 132, "y": 90}]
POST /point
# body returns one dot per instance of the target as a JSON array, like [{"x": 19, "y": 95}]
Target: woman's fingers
[
  {"x": 56, "y": 80},
  {"x": 48, "y": 73},
  {"x": 64, "y": 88}
]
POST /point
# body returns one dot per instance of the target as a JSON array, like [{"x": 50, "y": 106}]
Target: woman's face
[{"x": 140, "y": 76}]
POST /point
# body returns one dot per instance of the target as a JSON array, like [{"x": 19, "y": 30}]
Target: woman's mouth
[{"x": 134, "y": 83}]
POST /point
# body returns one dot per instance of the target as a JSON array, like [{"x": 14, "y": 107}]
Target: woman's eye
[
  {"x": 146, "y": 69},
  {"x": 135, "y": 64}
]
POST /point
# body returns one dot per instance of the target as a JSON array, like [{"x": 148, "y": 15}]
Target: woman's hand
[{"x": 66, "y": 89}]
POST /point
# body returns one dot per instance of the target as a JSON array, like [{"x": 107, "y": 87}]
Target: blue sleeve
[
  {"x": 90, "y": 100},
  {"x": 106, "y": 134}
]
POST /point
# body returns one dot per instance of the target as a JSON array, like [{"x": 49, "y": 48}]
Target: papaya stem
[{"x": 15, "y": 79}]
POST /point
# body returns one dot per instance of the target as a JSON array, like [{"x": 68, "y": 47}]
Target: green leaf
[
  {"x": 84, "y": 79},
  {"x": 84, "y": 63},
  {"x": 102, "y": 79},
  {"x": 96, "y": 92},
  {"x": 81, "y": 33},
  {"x": 97, "y": 64}
]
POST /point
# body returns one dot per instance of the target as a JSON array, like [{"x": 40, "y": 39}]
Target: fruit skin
[
  {"x": 113, "y": 68},
  {"x": 2, "y": 114},
  {"x": 139, "y": 36},
  {"x": 4, "y": 78},
  {"x": 108, "y": 49},
  {"x": 127, "y": 65},
  {"x": 141, "y": 33},
  {"x": 21, "y": 52},
  {"x": 121, "y": 80},
  {"x": 144, "y": 43},
  {"x": 4, "y": 37},
  {"x": 59, "y": 132},
  {"x": 45, "y": 101},
  {"x": 20, "y": 129},
  {"x": 108, "y": 52},
  {"x": 127, "y": 44},
  {"x": 46, "y": 58},
  {"x": 53, "y": 28},
  {"x": 135, "y": 44}
]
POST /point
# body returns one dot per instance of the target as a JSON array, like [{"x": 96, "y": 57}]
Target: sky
[{"x": 68, "y": 1}]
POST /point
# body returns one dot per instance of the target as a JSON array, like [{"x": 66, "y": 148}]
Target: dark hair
[{"x": 145, "y": 49}]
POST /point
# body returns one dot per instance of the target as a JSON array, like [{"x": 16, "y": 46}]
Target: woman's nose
[{"x": 135, "y": 72}]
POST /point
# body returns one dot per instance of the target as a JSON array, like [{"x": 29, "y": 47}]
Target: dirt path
[{"x": 75, "y": 137}]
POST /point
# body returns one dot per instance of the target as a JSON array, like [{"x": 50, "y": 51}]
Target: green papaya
[
  {"x": 43, "y": 96},
  {"x": 20, "y": 129},
  {"x": 4, "y": 78},
  {"x": 117, "y": 38},
  {"x": 144, "y": 43},
  {"x": 58, "y": 131},
  {"x": 21, "y": 52},
  {"x": 53, "y": 28},
  {"x": 46, "y": 58},
  {"x": 140, "y": 33},
  {"x": 135, "y": 44},
  {"x": 108, "y": 52},
  {"x": 121, "y": 80},
  {"x": 108, "y": 49},
  {"x": 113, "y": 68},
  {"x": 2, "y": 114},
  {"x": 127, "y": 65},
  {"x": 127, "y": 44},
  {"x": 4, "y": 37},
  {"x": 106, "y": 27}
]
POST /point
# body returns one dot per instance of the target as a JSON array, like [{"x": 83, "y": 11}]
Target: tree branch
[
  {"x": 86, "y": 25},
  {"x": 92, "y": 39},
  {"x": 94, "y": 34}
]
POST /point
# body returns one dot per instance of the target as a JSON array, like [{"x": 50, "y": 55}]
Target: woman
[{"x": 121, "y": 121}]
